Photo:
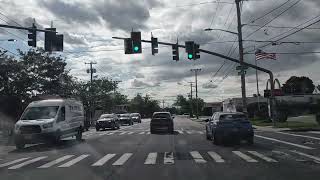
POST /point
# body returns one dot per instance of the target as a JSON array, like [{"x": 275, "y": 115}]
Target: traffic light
[
  {"x": 190, "y": 49},
  {"x": 154, "y": 45},
  {"x": 128, "y": 46},
  {"x": 136, "y": 42},
  {"x": 32, "y": 36},
  {"x": 175, "y": 52},
  {"x": 196, "y": 51},
  {"x": 53, "y": 41}
]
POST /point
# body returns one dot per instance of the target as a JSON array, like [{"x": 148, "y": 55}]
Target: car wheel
[
  {"x": 97, "y": 128},
  {"x": 207, "y": 135},
  {"x": 217, "y": 140},
  {"x": 20, "y": 144},
  {"x": 57, "y": 138},
  {"x": 113, "y": 126},
  {"x": 79, "y": 134},
  {"x": 250, "y": 140}
]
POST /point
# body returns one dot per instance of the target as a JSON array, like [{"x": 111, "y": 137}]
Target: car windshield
[
  {"x": 230, "y": 117},
  {"x": 124, "y": 115},
  {"x": 162, "y": 115},
  {"x": 44, "y": 112},
  {"x": 106, "y": 116}
]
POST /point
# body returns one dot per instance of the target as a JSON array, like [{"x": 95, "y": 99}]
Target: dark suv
[
  {"x": 107, "y": 121},
  {"x": 161, "y": 121}
]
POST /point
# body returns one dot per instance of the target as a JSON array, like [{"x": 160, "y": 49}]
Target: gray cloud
[
  {"x": 71, "y": 12},
  {"x": 138, "y": 83},
  {"x": 125, "y": 15},
  {"x": 209, "y": 86},
  {"x": 71, "y": 39}
]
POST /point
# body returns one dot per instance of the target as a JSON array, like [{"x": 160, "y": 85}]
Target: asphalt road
[{"x": 133, "y": 153}]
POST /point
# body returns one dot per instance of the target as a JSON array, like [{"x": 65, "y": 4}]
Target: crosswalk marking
[
  {"x": 299, "y": 135},
  {"x": 148, "y": 132},
  {"x": 216, "y": 157},
  {"x": 307, "y": 155},
  {"x": 180, "y": 132},
  {"x": 284, "y": 142},
  {"x": 244, "y": 156},
  {"x": 189, "y": 132},
  {"x": 142, "y": 133},
  {"x": 197, "y": 157},
  {"x": 122, "y": 159},
  {"x": 27, "y": 162},
  {"x": 151, "y": 159},
  {"x": 111, "y": 133},
  {"x": 74, "y": 161},
  {"x": 168, "y": 158},
  {"x": 13, "y": 162},
  {"x": 255, "y": 153},
  {"x": 103, "y": 160},
  {"x": 130, "y": 132},
  {"x": 49, "y": 164},
  {"x": 122, "y": 133},
  {"x": 200, "y": 132}
]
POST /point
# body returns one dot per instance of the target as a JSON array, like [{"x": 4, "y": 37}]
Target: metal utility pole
[
  {"x": 196, "y": 79},
  {"x": 191, "y": 106},
  {"x": 91, "y": 71},
  {"x": 243, "y": 78},
  {"x": 163, "y": 104}
]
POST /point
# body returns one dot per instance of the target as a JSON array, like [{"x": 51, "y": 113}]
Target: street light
[
  {"x": 9, "y": 40},
  {"x": 210, "y": 29}
]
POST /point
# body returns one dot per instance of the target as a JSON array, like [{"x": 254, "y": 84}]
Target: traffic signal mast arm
[
  {"x": 24, "y": 28},
  {"x": 230, "y": 59}
]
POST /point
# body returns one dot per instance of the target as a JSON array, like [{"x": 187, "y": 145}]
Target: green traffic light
[
  {"x": 190, "y": 56},
  {"x": 136, "y": 48}
]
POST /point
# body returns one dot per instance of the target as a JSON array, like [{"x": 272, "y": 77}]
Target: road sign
[
  {"x": 242, "y": 67},
  {"x": 244, "y": 72}
]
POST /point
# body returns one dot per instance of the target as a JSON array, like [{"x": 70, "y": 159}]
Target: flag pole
[{"x": 257, "y": 84}]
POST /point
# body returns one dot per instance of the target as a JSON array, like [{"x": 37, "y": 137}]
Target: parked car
[
  {"x": 125, "y": 119},
  {"x": 161, "y": 121},
  {"x": 49, "y": 120},
  {"x": 224, "y": 126},
  {"x": 136, "y": 117},
  {"x": 108, "y": 121}
]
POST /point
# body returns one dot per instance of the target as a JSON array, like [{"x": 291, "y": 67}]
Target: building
[{"x": 212, "y": 107}]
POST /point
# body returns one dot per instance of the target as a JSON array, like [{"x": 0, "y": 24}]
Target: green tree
[
  {"x": 298, "y": 85},
  {"x": 144, "y": 105}
]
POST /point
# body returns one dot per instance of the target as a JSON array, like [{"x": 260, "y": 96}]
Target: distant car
[
  {"x": 161, "y": 121},
  {"x": 136, "y": 117},
  {"x": 125, "y": 119},
  {"x": 107, "y": 121},
  {"x": 224, "y": 126}
]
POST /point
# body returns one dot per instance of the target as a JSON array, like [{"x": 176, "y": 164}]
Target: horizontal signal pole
[
  {"x": 272, "y": 105},
  {"x": 24, "y": 28}
]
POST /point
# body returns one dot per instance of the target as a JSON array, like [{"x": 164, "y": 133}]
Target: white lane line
[
  {"x": 27, "y": 162},
  {"x": 142, "y": 133},
  {"x": 110, "y": 133},
  {"x": 49, "y": 164},
  {"x": 299, "y": 135},
  {"x": 197, "y": 157},
  {"x": 74, "y": 161},
  {"x": 148, "y": 132},
  {"x": 200, "y": 132},
  {"x": 180, "y": 132},
  {"x": 130, "y": 132},
  {"x": 151, "y": 159},
  {"x": 122, "y": 133},
  {"x": 13, "y": 162},
  {"x": 314, "y": 132},
  {"x": 103, "y": 160},
  {"x": 244, "y": 156},
  {"x": 255, "y": 153},
  {"x": 189, "y": 132},
  {"x": 122, "y": 159},
  {"x": 284, "y": 142},
  {"x": 168, "y": 158},
  {"x": 216, "y": 157},
  {"x": 307, "y": 155}
]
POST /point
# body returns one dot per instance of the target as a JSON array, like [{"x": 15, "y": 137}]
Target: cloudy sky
[{"x": 88, "y": 28}]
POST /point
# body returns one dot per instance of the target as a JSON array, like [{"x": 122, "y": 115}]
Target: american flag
[{"x": 263, "y": 55}]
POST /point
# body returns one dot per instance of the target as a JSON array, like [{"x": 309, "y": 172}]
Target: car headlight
[{"x": 49, "y": 125}]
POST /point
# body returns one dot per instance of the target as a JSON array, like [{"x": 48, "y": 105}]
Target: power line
[
  {"x": 298, "y": 30},
  {"x": 12, "y": 21},
  {"x": 215, "y": 14},
  {"x": 202, "y": 3},
  {"x": 307, "y": 52},
  {"x": 273, "y": 18},
  {"x": 9, "y": 51},
  {"x": 281, "y": 27},
  {"x": 269, "y": 12}
]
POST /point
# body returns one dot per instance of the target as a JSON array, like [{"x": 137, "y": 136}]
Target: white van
[{"x": 49, "y": 120}]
